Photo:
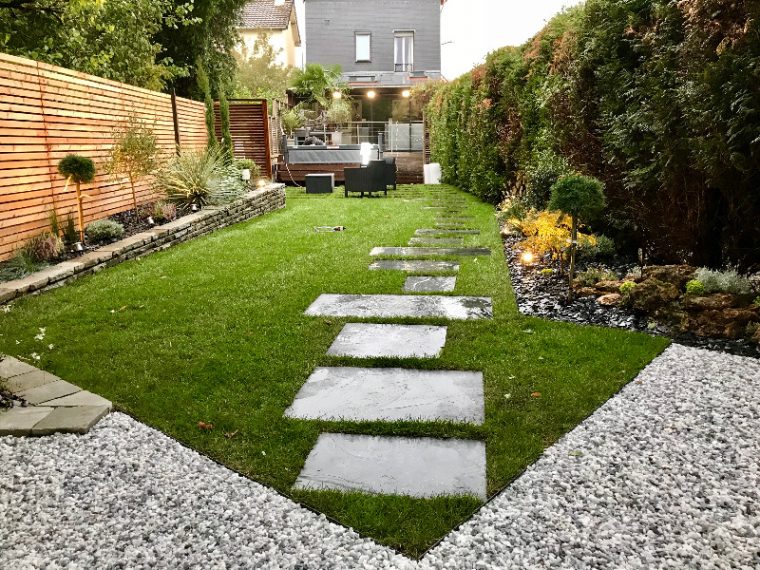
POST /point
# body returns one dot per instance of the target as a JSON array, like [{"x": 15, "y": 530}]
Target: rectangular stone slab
[
  {"x": 413, "y": 467},
  {"x": 414, "y": 266},
  {"x": 20, "y": 421},
  {"x": 10, "y": 367},
  {"x": 70, "y": 420},
  {"x": 402, "y": 306},
  {"x": 429, "y": 251},
  {"x": 440, "y": 232},
  {"x": 361, "y": 340},
  {"x": 437, "y": 242},
  {"x": 390, "y": 394},
  {"x": 30, "y": 380},
  {"x": 42, "y": 394},
  {"x": 429, "y": 284}
]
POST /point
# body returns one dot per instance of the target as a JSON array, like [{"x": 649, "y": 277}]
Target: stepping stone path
[
  {"x": 420, "y": 467},
  {"x": 53, "y": 405}
]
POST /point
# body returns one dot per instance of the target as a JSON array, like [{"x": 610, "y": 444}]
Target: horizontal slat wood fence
[
  {"x": 249, "y": 127},
  {"x": 47, "y": 112}
]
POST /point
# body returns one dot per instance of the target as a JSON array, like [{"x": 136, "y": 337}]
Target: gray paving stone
[
  {"x": 30, "y": 380},
  {"x": 82, "y": 398},
  {"x": 438, "y": 242},
  {"x": 70, "y": 420},
  {"x": 430, "y": 284},
  {"x": 20, "y": 421},
  {"x": 414, "y": 266},
  {"x": 42, "y": 394},
  {"x": 390, "y": 394},
  {"x": 415, "y": 467},
  {"x": 452, "y": 226},
  {"x": 402, "y": 306},
  {"x": 10, "y": 367},
  {"x": 360, "y": 340},
  {"x": 440, "y": 232},
  {"x": 429, "y": 251}
]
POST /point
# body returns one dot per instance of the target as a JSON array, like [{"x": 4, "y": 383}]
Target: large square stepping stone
[
  {"x": 440, "y": 232},
  {"x": 430, "y": 284},
  {"x": 70, "y": 420},
  {"x": 47, "y": 392},
  {"x": 414, "y": 266},
  {"x": 10, "y": 367},
  {"x": 359, "y": 340},
  {"x": 429, "y": 251},
  {"x": 402, "y": 306},
  {"x": 20, "y": 421},
  {"x": 413, "y": 467},
  {"x": 390, "y": 394}
]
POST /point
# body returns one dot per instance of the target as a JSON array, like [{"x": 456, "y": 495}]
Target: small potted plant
[
  {"x": 80, "y": 170},
  {"x": 246, "y": 167}
]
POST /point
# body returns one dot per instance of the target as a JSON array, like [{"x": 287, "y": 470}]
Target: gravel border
[{"x": 665, "y": 475}]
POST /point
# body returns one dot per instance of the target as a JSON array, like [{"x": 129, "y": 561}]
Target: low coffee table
[{"x": 320, "y": 183}]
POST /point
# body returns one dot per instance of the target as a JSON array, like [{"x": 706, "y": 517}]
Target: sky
[
  {"x": 470, "y": 29},
  {"x": 477, "y": 27}
]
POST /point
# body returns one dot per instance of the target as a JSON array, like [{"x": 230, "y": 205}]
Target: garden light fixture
[
  {"x": 371, "y": 94},
  {"x": 527, "y": 258},
  {"x": 406, "y": 93},
  {"x": 337, "y": 95}
]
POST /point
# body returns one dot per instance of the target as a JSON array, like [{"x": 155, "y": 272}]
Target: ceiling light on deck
[
  {"x": 371, "y": 94},
  {"x": 406, "y": 93}
]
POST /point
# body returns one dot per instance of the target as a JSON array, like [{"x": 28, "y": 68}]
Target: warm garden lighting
[
  {"x": 527, "y": 258},
  {"x": 406, "y": 93},
  {"x": 371, "y": 94},
  {"x": 337, "y": 95}
]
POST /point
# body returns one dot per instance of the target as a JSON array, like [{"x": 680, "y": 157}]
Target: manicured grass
[{"x": 214, "y": 331}]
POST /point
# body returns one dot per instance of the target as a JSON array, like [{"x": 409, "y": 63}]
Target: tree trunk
[
  {"x": 573, "y": 247},
  {"x": 134, "y": 194},
  {"x": 80, "y": 212}
]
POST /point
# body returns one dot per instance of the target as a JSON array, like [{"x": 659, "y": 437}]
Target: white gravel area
[{"x": 665, "y": 475}]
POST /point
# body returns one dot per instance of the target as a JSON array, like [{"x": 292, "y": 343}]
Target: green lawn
[{"x": 214, "y": 331}]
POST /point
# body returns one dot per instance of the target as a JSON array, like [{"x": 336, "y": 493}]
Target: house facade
[
  {"x": 384, "y": 48},
  {"x": 278, "y": 20}
]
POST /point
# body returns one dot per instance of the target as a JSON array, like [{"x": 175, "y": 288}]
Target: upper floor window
[
  {"x": 403, "y": 49},
  {"x": 363, "y": 46}
]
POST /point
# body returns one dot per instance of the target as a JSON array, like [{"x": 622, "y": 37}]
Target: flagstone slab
[
  {"x": 430, "y": 284},
  {"x": 10, "y": 367},
  {"x": 70, "y": 420},
  {"x": 361, "y": 340},
  {"x": 30, "y": 380},
  {"x": 440, "y": 232},
  {"x": 390, "y": 394},
  {"x": 20, "y": 421},
  {"x": 436, "y": 241},
  {"x": 414, "y": 266},
  {"x": 47, "y": 392},
  {"x": 83, "y": 398},
  {"x": 402, "y": 306},
  {"x": 429, "y": 251},
  {"x": 414, "y": 467}
]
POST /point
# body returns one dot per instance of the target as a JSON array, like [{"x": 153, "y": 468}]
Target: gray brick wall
[{"x": 332, "y": 24}]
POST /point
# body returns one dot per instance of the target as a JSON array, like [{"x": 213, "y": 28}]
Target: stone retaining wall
[{"x": 253, "y": 204}]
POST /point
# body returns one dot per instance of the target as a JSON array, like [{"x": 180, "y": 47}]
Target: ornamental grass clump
[{"x": 199, "y": 179}]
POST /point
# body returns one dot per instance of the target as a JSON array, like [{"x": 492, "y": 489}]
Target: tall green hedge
[{"x": 660, "y": 99}]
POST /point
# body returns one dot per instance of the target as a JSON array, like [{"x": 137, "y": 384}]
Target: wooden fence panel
[
  {"x": 47, "y": 112},
  {"x": 249, "y": 126}
]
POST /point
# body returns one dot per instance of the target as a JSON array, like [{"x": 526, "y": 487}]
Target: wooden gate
[{"x": 249, "y": 125}]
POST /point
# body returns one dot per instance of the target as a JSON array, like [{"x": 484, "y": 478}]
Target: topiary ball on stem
[
  {"x": 579, "y": 196},
  {"x": 79, "y": 168}
]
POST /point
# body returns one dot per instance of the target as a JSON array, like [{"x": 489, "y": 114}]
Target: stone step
[
  {"x": 401, "y": 306},
  {"x": 390, "y": 394},
  {"x": 429, "y": 284},
  {"x": 361, "y": 340},
  {"x": 413, "y": 467},
  {"x": 414, "y": 266},
  {"x": 440, "y": 232},
  {"x": 429, "y": 251}
]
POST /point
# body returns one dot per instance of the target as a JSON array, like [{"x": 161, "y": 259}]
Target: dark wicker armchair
[{"x": 366, "y": 180}]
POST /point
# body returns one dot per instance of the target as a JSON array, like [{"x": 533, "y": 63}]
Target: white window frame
[
  {"x": 397, "y": 57},
  {"x": 357, "y": 47}
]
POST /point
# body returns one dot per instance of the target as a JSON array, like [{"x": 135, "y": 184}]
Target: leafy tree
[
  {"x": 115, "y": 39},
  {"x": 258, "y": 74},
  {"x": 316, "y": 83},
  {"x": 582, "y": 198},
  {"x": 134, "y": 153}
]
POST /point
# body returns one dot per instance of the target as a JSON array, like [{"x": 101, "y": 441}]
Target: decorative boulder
[
  {"x": 608, "y": 286},
  {"x": 653, "y": 294},
  {"x": 610, "y": 299},
  {"x": 677, "y": 275},
  {"x": 710, "y": 302}
]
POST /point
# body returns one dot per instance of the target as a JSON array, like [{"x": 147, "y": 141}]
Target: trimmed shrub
[
  {"x": 695, "y": 287},
  {"x": 627, "y": 287},
  {"x": 80, "y": 169},
  {"x": 729, "y": 281},
  {"x": 104, "y": 231}
]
